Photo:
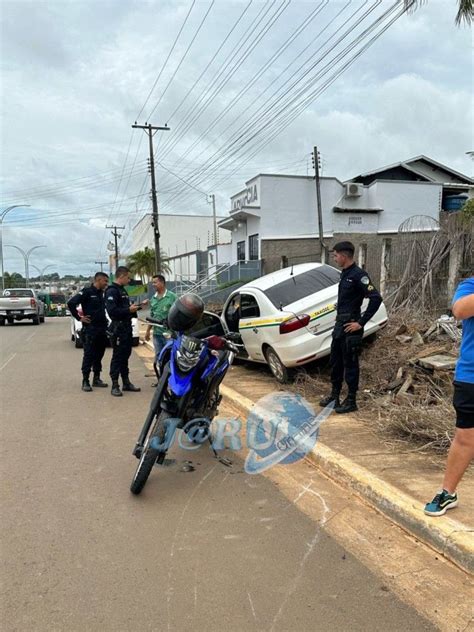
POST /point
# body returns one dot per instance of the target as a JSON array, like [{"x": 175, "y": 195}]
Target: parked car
[
  {"x": 285, "y": 319},
  {"x": 21, "y": 304},
  {"x": 76, "y": 328}
]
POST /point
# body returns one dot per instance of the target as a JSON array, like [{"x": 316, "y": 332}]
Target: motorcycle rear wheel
[{"x": 149, "y": 456}]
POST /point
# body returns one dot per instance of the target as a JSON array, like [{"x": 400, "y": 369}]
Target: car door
[
  {"x": 249, "y": 324},
  {"x": 231, "y": 319}
]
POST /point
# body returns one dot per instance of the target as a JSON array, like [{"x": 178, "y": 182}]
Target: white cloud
[{"x": 75, "y": 75}]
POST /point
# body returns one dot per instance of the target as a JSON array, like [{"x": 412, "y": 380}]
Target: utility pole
[
  {"x": 151, "y": 130},
  {"x": 101, "y": 264},
  {"x": 317, "y": 166},
  {"x": 116, "y": 237},
  {"x": 214, "y": 219}
]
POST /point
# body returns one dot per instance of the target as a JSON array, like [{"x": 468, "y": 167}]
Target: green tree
[
  {"x": 15, "y": 279},
  {"x": 465, "y": 10},
  {"x": 142, "y": 263}
]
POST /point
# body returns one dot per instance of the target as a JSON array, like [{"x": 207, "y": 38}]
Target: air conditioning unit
[{"x": 353, "y": 189}]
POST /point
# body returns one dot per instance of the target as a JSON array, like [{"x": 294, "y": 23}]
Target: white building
[
  {"x": 275, "y": 215},
  {"x": 179, "y": 234}
]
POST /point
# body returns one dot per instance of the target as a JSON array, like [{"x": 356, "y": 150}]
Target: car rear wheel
[
  {"x": 10, "y": 321},
  {"x": 279, "y": 370},
  {"x": 36, "y": 320},
  {"x": 41, "y": 319}
]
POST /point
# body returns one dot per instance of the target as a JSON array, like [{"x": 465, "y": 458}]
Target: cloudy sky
[{"x": 246, "y": 87}]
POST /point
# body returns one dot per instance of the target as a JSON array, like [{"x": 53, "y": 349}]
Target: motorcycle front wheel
[{"x": 149, "y": 455}]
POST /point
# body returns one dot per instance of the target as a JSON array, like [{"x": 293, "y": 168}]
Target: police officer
[
  {"x": 94, "y": 325},
  {"x": 121, "y": 312},
  {"x": 354, "y": 286}
]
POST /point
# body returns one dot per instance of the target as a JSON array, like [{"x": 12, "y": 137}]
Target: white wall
[
  {"x": 178, "y": 233},
  {"x": 225, "y": 253},
  {"x": 405, "y": 199},
  {"x": 184, "y": 266}
]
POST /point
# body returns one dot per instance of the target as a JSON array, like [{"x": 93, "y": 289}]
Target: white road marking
[
  {"x": 251, "y": 605},
  {"x": 5, "y": 363},
  {"x": 30, "y": 337}
]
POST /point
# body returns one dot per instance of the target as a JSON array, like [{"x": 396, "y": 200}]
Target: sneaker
[{"x": 441, "y": 503}]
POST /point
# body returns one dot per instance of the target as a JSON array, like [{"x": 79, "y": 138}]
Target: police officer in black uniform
[
  {"x": 94, "y": 326},
  {"x": 354, "y": 286},
  {"x": 121, "y": 312}
]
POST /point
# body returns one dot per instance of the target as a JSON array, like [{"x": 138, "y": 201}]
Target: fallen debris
[
  {"x": 406, "y": 382},
  {"x": 438, "y": 362}
]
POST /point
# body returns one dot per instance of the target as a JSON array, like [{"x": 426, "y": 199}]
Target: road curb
[{"x": 447, "y": 536}]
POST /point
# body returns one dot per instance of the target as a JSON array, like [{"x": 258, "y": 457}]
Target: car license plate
[{"x": 16, "y": 312}]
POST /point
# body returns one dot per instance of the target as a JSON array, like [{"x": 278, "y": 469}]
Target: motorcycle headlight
[{"x": 188, "y": 354}]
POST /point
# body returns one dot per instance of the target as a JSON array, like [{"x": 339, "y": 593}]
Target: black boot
[
  {"x": 86, "y": 386},
  {"x": 349, "y": 405},
  {"x": 116, "y": 392},
  {"x": 332, "y": 397},
  {"x": 128, "y": 386},
  {"x": 98, "y": 382}
]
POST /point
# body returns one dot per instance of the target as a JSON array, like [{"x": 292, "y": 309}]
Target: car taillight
[
  {"x": 32, "y": 302},
  {"x": 294, "y": 323}
]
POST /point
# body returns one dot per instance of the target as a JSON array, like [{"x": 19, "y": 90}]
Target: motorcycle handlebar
[{"x": 155, "y": 321}]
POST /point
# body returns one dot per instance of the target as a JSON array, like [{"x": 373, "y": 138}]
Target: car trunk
[{"x": 320, "y": 307}]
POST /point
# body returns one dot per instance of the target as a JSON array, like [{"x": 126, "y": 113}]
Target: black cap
[{"x": 344, "y": 246}]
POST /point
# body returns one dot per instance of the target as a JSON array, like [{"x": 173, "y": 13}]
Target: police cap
[{"x": 344, "y": 246}]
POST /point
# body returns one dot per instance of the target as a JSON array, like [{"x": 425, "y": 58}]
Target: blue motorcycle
[{"x": 191, "y": 367}]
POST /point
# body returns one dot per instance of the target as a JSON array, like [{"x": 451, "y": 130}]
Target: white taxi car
[{"x": 286, "y": 318}]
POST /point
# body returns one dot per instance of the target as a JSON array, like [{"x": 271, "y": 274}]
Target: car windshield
[
  {"x": 20, "y": 293},
  {"x": 300, "y": 285}
]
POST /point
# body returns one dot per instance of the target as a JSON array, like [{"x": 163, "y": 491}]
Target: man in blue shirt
[{"x": 461, "y": 452}]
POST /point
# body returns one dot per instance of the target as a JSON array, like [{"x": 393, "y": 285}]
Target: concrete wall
[{"x": 276, "y": 253}]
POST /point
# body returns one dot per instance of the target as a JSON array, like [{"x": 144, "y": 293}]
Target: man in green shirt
[{"x": 160, "y": 305}]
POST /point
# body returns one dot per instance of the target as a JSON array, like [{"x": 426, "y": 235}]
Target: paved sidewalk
[{"x": 395, "y": 480}]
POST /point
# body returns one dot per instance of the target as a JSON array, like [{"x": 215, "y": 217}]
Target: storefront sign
[{"x": 249, "y": 196}]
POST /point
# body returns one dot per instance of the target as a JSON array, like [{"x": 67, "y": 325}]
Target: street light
[
  {"x": 2, "y": 216},
  {"x": 41, "y": 272},
  {"x": 26, "y": 256}
]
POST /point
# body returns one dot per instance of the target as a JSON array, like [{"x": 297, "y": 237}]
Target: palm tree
[
  {"x": 142, "y": 263},
  {"x": 465, "y": 10}
]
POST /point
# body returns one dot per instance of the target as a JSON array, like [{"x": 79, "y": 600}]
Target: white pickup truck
[{"x": 21, "y": 304}]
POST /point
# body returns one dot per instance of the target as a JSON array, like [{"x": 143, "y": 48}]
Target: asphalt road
[{"x": 211, "y": 549}]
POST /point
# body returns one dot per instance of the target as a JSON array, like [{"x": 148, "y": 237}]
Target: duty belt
[{"x": 346, "y": 318}]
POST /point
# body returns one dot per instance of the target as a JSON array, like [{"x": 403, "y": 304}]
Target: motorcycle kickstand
[{"x": 222, "y": 459}]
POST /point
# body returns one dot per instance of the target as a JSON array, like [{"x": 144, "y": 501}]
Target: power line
[
  {"x": 253, "y": 80},
  {"x": 166, "y": 60},
  {"x": 178, "y": 107},
  {"x": 242, "y": 139},
  {"x": 181, "y": 60},
  {"x": 212, "y": 82}
]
